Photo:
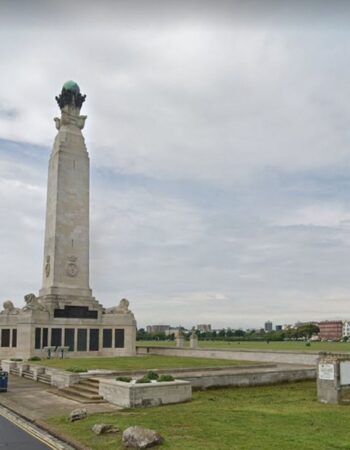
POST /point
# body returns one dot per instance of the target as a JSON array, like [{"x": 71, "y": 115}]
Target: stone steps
[
  {"x": 86, "y": 391},
  {"x": 91, "y": 382},
  {"x": 28, "y": 374},
  {"x": 44, "y": 378}
]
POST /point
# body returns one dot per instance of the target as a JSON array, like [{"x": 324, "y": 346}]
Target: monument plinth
[{"x": 66, "y": 313}]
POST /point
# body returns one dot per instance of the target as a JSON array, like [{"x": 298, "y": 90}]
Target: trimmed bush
[
  {"x": 166, "y": 378},
  {"x": 143, "y": 380},
  {"x": 16, "y": 359},
  {"x": 125, "y": 379},
  {"x": 151, "y": 375},
  {"x": 76, "y": 370},
  {"x": 34, "y": 358}
]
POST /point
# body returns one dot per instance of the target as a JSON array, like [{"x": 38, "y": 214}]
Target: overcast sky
[{"x": 219, "y": 141}]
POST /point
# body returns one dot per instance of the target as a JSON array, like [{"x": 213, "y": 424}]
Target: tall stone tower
[
  {"x": 66, "y": 254},
  {"x": 66, "y": 250},
  {"x": 66, "y": 315}
]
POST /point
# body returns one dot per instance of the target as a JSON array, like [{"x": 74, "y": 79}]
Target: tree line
[{"x": 305, "y": 331}]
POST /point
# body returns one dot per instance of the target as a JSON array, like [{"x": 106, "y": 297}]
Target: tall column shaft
[{"x": 66, "y": 251}]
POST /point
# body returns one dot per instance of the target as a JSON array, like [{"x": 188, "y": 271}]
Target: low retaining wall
[
  {"x": 59, "y": 378},
  {"x": 129, "y": 395},
  {"x": 252, "y": 378},
  {"x": 62, "y": 379},
  {"x": 288, "y": 357},
  {"x": 178, "y": 371}
]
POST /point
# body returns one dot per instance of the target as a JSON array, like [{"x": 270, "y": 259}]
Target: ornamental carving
[
  {"x": 47, "y": 266},
  {"x": 72, "y": 268},
  {"x": 32, "y": 303},
  {"x": 70, "y": 97},
  {"x": 122, "y": 308},
  {"x": 9, "y": 308}
]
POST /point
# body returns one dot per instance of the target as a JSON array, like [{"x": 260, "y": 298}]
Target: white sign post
[{"x": 326, "y": 371}]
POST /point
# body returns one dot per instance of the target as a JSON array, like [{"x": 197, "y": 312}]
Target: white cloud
[
  {"x": 219, "y": 148},
  {"x": 322, "y": 215}
]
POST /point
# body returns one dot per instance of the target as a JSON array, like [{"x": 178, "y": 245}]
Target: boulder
[
  {"x": 77, "y": 414},
  {"x": 137, "y": 437},
  {"x": 103, "y": 428}
]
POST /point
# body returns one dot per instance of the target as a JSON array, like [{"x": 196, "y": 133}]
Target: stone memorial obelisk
[
  {"x": 66, "y": 251},
  {"x": 66, "y": 317}
]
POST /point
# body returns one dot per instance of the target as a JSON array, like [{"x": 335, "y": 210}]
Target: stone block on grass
[
  {"x": 138, "y": 437},
  {"x": 77, "y": 414},
  {"x": 103, "y": 428}
]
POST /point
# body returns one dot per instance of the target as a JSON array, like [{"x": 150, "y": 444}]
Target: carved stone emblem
[
  {"x": 47, "y": 266},
  {"x": 72, "y": 269}
]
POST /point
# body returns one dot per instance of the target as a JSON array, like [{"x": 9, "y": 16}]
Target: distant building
[
  {"x": 268, "y": 326},
  {"x": 172, "y": 330},
  {"x": 331, "y": 330},
  {"x": 346, "y": 328},
  {"x": 156, "y": 329},
  {"x": 204, "y": 327},
  {"x": 278, "y": 328}
]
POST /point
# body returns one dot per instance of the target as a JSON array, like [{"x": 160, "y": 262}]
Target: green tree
[{"x": 308, "y": 330}]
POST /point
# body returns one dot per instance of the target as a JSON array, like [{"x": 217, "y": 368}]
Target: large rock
[
  {"x": 137, "y": 437},
  {"x": 77, "y": 414},
  {"x": 103, "y": 428}
]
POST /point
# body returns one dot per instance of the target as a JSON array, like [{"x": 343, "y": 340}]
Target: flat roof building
[{"x": 331, "y": 330}]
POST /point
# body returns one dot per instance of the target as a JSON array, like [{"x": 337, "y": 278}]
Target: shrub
[
  {"x": 166, "y": 378},
  {"x": 34, "y": 358},
  {"x": 125, "y": 379},
  {"x": 308, "y": 344},
  {"x": 76, "y": 370},
  {"x": 144, "y": 379},
  {"x": 151, "y": 375},
  {"x": 16, "y": 359}
]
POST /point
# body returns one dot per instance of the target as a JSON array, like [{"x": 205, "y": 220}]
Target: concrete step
[
  {"x": 14, "y": 372},
  {"x": 78, "y": 398},
  {"x": 85, "y": 388},
  {"x": 79, "y": 390},
  {"x": 90, "y": 384},
  {"x": 28, "y": 374},
  {"x": 42, "y": 378},
  {"x": 87, "y": 395}
]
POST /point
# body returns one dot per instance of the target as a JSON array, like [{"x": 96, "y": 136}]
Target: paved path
[
  {"x": 12, "y": 437},
  {"x": 38, "y": 401}
]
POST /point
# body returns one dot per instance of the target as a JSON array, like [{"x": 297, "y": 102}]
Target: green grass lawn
[
  {"x": 285, "y": 416},
  {"x": 139, "y": 362},
  {"x": 288, "y": 345}
]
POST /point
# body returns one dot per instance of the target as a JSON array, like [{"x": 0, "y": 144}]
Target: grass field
[
  {"x": 284, "y": 417},
  {"x": 138, "y": 363},
  {"x": 288, "y": 345}
]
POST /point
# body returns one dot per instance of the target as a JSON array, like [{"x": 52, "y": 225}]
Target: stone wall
[
  {"x": 287, "y": 357},
  {"x": 251, "y": 378},
  {"x": 129, "y": 395}
]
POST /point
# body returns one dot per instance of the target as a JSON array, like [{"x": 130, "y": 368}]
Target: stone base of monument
[
  {"x": 180, "y": 341},
  {"x": 193, "y": 342},
  {"x": 128, "y": 395},
  {"x": 333, "y": 379},
  {"x": 66, "y": 330}
]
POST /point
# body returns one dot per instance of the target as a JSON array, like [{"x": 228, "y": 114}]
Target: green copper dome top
[{"x": 71, "y": 86}]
